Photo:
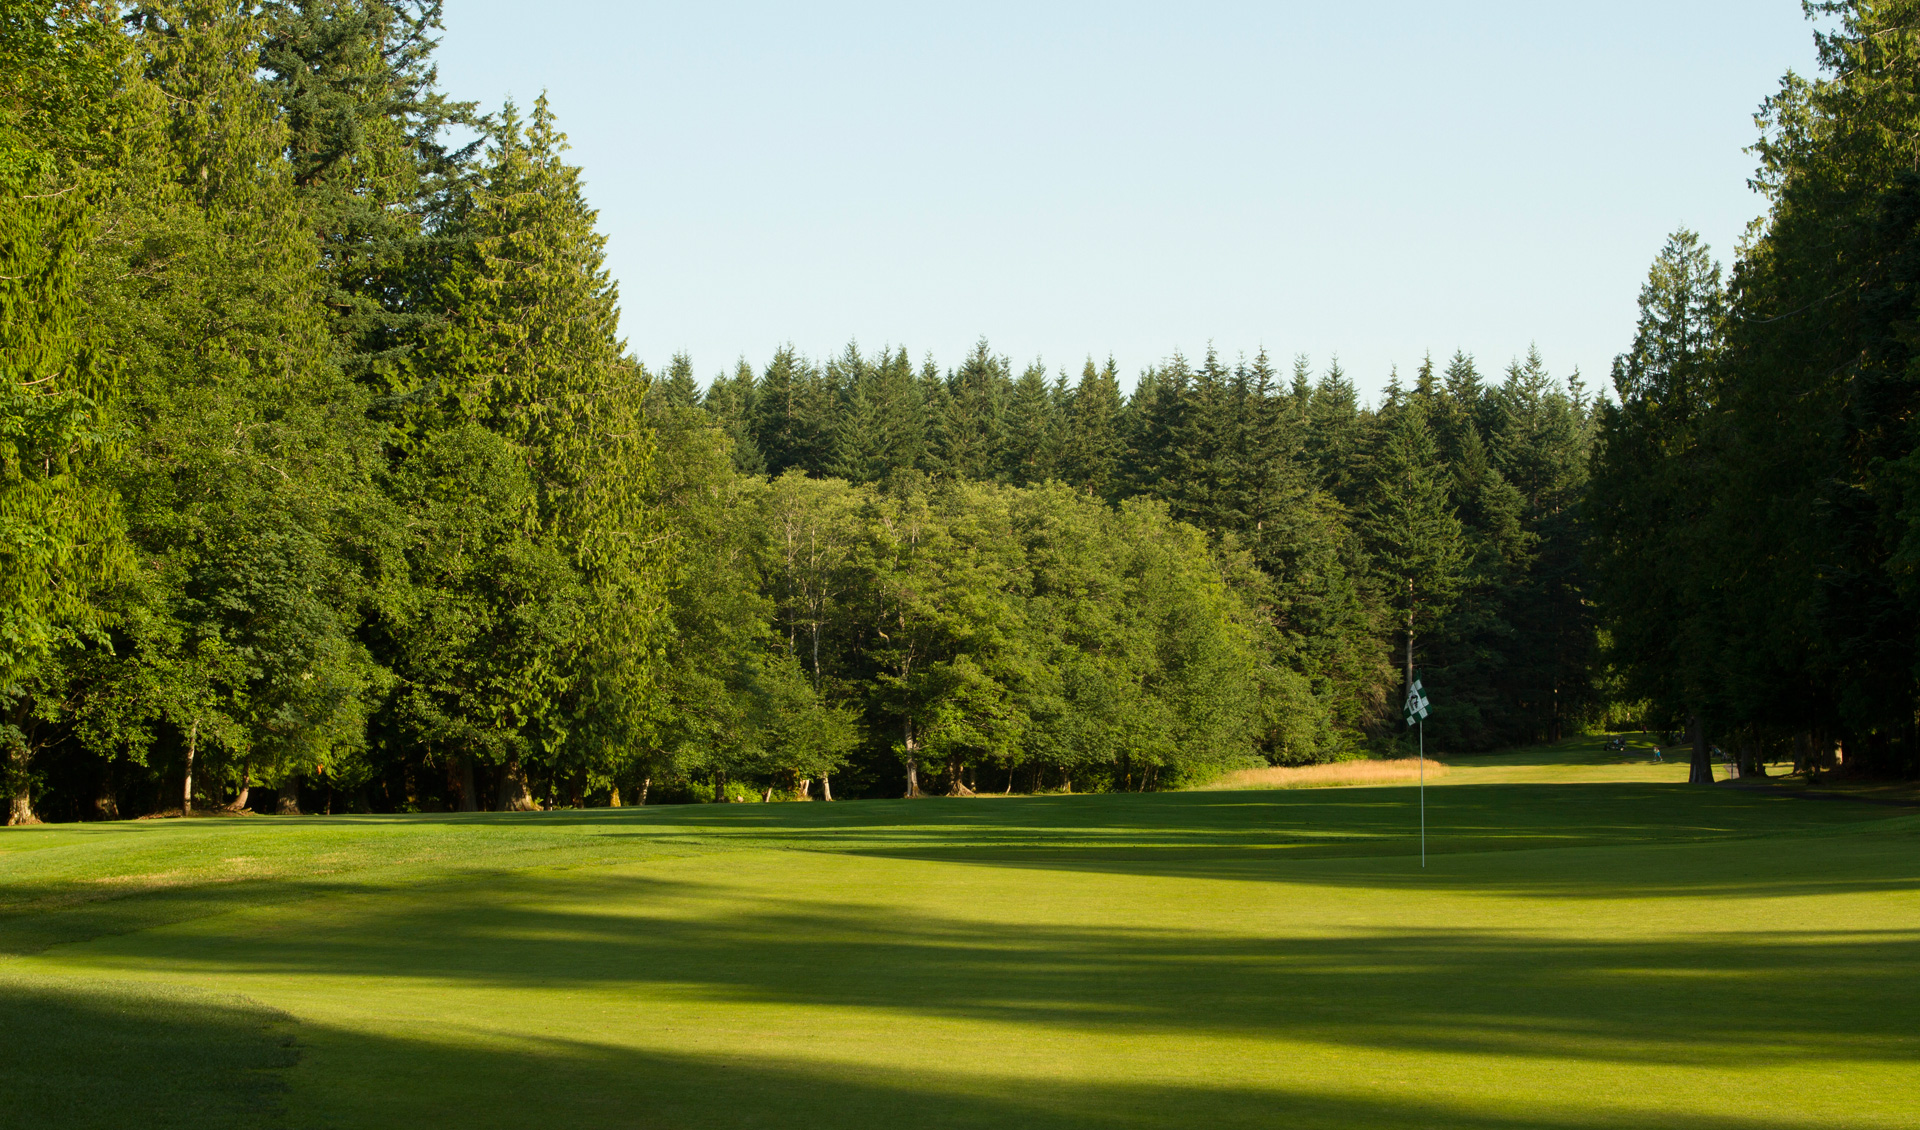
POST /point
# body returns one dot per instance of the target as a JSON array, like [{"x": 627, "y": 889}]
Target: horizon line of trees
[{"x": 326, "y": 480}]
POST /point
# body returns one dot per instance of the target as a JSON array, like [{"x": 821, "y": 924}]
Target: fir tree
[
  {"x": 1652, "y": 490},
  {"x": 1032, "y": 429},
  {"x": 678, "y": 389},
  {"x": 1091, "y": 450},
  {"x": 974, "y": 428},
  {"x": 730, "y": 402},
  {"x": 530, "y": 354},
  {"x": 882, "y": 422},
  {"x": 1417, "y": 545},
  {"x": 793, "y": 409},
  {"x": 364, "y": 120},
  {"x": 1337, "y": 436}
]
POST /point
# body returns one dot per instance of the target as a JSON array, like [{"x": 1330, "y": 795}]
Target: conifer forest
[{"x": 329, "y": 481}]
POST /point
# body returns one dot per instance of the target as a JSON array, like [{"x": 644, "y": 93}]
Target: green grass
[{"x": 1591, "y": 945}]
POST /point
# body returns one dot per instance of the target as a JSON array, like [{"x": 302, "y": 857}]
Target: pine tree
[
  {"x": 1461, "y": 407},
  {"x": 678, "y": 389},
  {"x": 1153, "y": 421},
  {"x": 882, "y": 423}
]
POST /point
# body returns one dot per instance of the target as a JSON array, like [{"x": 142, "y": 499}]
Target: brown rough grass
[{"x": 1338, "y": 774}]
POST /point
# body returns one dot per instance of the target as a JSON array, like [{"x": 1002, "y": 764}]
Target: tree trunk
[
  {"x": 239, "y": 802},
  {"x": 514, "y": 794},
  {"x": 288, "y": 797},
  {"x": 460, "y": 779},
  {"x": 186, "y": 784},
  {"x": 614, "y": 800},
  {"x": 956, "y": 780},
  {"x": 826, "y": 788},
  {"x": 911, "y": 753},
  {"x": 645, "y": 784},
  {"x": 806, "y": 789},
  {"x": 106, "y": 803},
  {"x": 1700, "y": 771},
  {"x": 767, "y": 797},
  {"x": 14, "y": 769},
  {"x": 20, "y": 807}
]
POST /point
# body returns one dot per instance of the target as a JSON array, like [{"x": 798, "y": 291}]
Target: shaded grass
[{"x": 81, "y": 1053}]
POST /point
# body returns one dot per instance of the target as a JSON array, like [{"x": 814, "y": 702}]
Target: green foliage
[
  {"x": 323, "y": 426},
  {"x": 62, "y": 536}
]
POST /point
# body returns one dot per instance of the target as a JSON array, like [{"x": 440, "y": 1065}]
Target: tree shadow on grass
[
  {"x": 84, "y": 1054},
  {"x": 1835, "y": 995},
  {"x": 577, "y": 1084}
]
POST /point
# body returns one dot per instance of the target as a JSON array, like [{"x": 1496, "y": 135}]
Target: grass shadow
[
  {"x": 1835, "y": 995},
  {"x": 80, "y": 1055}
]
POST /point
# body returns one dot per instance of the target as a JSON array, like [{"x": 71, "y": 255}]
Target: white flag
[{"x": 1417, "y": 705}]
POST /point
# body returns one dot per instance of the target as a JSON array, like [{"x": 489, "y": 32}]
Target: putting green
[{"x": 1588, "y": 947}]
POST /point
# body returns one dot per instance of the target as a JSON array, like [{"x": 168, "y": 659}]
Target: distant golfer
[{"x": 1658, "y": 760}]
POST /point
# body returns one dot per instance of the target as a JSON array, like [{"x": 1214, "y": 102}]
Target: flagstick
[{"x": 1423, "y": 792}]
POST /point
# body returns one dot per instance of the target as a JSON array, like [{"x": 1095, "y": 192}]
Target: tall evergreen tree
[
  {"x": 1417, "y": 544},
  {"x": 62, "y": 539},
  {"x": 882, "y": 420},
  {"x": 1092, "y": 449},
  {"x": 793, "y": 414},
  {"x": 1653, "y": 486},
  {"x": 1032, "y": 429},
  {"x": 677, "y": 390},
  {"x": 365, "y": 122},
  {"x": 730, "y": 402},
  {"x": 973, "y": 433},
  {"x": 529, "y": 354},
  {"x": 1337, "y": 438}
]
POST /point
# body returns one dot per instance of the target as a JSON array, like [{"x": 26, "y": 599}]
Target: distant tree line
[{"x": 330, "y": 484}]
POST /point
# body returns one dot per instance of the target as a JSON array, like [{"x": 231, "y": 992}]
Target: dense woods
[
  {"x": 328, "y": 482},
  {"x": 1754, "y": 505}
]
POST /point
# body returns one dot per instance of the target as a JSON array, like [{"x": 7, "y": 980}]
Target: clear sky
[{"x": 1375, "y": 180}]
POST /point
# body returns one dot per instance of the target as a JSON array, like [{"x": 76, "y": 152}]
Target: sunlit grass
[{"x": 1337, "y": 774}]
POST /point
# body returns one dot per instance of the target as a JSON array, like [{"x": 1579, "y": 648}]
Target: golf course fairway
[{"x": 1591, "y": 944}]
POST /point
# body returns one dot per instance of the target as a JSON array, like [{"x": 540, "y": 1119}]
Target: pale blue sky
[{"x": 1373, "y": 180}]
